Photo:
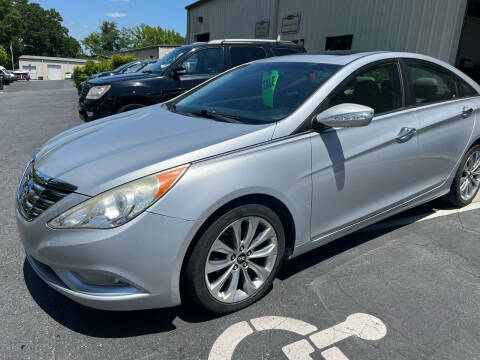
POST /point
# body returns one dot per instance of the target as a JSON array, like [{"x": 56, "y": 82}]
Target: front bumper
[
  {"x": 146, "y": 254},
  {"x": 95, "y": 109}
]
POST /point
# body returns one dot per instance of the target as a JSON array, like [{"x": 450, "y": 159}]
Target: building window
[
  {"x": 205, "y": 37},
  {"x": 339, "y": 42}
]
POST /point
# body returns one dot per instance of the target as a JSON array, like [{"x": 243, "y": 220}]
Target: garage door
[
  {"x": 32, "y": 71},
  {"x": 54, "y": 72}
]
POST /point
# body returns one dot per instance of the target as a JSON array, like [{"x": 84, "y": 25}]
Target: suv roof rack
[{"x": 221, "y": 41}]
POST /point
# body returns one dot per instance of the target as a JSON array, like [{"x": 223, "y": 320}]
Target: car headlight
[
  {"x": 97, "y": 92},
  {"x": 119, "y": 205}
]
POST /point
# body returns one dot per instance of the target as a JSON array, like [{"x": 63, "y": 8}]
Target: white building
[
  {"x": 150, "y": 52},
  {"x": 446, "y": 29},
  {"x": 48, "y": 68}
]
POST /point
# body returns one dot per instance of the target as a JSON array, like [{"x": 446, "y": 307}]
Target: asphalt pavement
[{"x": 413, "y": 282}]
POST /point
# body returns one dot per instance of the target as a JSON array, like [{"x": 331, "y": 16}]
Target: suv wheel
[{"x": 236, "y": 259}]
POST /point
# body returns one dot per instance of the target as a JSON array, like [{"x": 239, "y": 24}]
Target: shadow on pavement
[{"x": 106, "y": 324}]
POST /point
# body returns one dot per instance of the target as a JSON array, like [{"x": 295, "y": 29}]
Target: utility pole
[{"x": 11, "y": 52}]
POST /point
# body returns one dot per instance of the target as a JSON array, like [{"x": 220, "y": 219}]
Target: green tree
[
  {"x": 107, "y": 41},
  {"x": 146, "y": 35},
  {"x": 3, "y": 57},
  {"x": 35, "y": 31}
]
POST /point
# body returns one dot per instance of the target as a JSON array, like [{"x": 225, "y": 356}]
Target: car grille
[
  {"x": 37, "y": 192},
  {"x": 83, "y": 94}
]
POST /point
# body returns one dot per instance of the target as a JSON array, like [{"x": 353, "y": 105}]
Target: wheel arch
[
  {"x": 270, "y": 201},
  {"x": 133, "y": 100}
]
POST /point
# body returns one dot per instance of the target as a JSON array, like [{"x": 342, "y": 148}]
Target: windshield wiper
[{"x": 211, "y": 114}]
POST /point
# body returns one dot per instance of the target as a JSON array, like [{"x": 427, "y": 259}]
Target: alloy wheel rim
[
  {"x": 470, "y": 180},
  {"x": 241, "y": 259}
]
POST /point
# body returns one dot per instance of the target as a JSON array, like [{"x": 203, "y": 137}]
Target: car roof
[{"x": 329, "y": 57}]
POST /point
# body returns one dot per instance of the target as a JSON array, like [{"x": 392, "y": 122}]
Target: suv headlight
[
  {"x": 97, "y": 92},
  {"x": 119, "y": 205}
]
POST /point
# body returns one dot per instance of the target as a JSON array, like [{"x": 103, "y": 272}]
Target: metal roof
[
  {"x": 51, "y": 58},
  {"x": 195, "y": 4}
]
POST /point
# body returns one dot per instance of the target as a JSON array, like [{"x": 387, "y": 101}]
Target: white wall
[
  {"x": 430, "y": 27},
  {"x": 42, "y": 67}
]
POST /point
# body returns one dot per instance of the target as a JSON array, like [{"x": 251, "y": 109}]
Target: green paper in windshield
[{"x": 269, "y": 81}]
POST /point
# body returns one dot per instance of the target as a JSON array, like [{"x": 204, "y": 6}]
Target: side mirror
[
  {"x": 345, "y": 115},
  {"x": 179, "y": 71}
]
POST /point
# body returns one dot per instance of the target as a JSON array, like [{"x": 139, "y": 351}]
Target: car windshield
[
  {"x": 134, "y": 68},
  {"x": 257, "y": 93},
  {"x": 167, "y": 60}
]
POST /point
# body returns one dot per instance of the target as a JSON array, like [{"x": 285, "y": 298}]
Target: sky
[{"x": 82, "y": 17}]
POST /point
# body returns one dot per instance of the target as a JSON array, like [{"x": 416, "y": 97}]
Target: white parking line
[
  {"x": 419, "y": 218},
  {"x": 363, "y": 326}
]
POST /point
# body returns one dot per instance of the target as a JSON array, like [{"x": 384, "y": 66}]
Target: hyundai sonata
[{"x": 205, "y": 196}]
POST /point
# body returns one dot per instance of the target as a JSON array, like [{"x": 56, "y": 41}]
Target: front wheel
[
  {"x": 467, "y": 179},
  {"x": 236, "y": 259}
]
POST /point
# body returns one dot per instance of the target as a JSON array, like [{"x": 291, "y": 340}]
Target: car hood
[
  {"x": 119, "y": 77},
  {"x": 117, "y": 149}
]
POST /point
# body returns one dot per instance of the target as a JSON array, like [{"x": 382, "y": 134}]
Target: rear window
[
  {"x": 284, "y": 51},
  {"x": 242, "y": 54}
]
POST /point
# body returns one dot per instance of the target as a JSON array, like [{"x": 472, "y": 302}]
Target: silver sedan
[{"x": 206, "y": 195}]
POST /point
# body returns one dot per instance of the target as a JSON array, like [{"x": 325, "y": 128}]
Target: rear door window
[
  {"x": 431, "y": 84},
  {"x": 243, "y": 54}
]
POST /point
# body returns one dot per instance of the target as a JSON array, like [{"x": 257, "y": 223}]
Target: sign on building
[
  {"x": 291, "y": 24},
  {"x": 262, "y": 29}
]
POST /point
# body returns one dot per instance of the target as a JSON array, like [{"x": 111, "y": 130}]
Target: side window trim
[{"x": 433, "y": 66}]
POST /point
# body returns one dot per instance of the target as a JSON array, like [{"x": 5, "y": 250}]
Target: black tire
[
  {"x": 454, "y": 196},
  {"x": 195, "y": 286},
  {"x": 129, "y": 107}
]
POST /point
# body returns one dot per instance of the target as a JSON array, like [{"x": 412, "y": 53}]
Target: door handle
[
  {"x": 405, "y": 134},
  {"x": 467, "y": 112}
]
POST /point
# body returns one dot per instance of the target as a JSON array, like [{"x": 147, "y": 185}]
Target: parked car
[
  {"x": 116, "y": 71},
  {"x": 68, "y": 75},
  {"x": 138, "y": 67},
  {"x": 207, "y": 194},
  {"x": 22, "y": 75},
  {"x": 8, "y": 77},
  {"x": 178, "y": 71}
]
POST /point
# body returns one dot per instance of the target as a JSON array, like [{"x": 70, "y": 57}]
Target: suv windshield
[
  {"x": 257, "y": 93},
  {"x": 121, "y": 67},
  {"x": 167, "y": 60}
]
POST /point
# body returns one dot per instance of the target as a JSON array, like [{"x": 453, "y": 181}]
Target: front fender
[{"x": 281, "y": 169}]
